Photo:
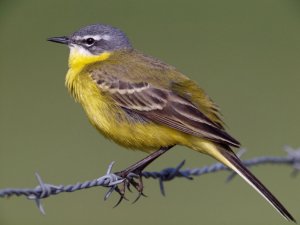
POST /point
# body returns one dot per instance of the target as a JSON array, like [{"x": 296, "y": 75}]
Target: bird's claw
[
  {"x": 121, "y": 192},
  {"x": 129, "y": 181}
]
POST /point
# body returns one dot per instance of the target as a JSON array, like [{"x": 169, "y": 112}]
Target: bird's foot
[{"x": 132, "y": 177}]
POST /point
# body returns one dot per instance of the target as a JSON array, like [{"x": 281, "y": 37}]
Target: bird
[{"x": 143, "y": 103}]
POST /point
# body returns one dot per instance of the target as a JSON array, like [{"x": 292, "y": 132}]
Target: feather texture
[{"x": 159, "y": 100}]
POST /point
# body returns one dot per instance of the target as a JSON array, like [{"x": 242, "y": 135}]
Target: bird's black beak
[{"x": 62, "y": 40}]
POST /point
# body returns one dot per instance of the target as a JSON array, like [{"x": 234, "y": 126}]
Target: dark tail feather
[{"x": 240, "y": 169}]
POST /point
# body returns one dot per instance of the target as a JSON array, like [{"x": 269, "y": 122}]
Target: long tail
[{"x": 227, "y": 156}]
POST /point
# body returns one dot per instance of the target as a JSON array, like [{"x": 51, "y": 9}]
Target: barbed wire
[{"x": 111, "y": 180}]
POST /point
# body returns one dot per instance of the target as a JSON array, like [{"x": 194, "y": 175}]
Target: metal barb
[
  {"x": 42, "y": 186},
  {"x": 169, "y": 174},
  {"x": 113, "y": 180},
  {"x": 109, "y": 192},
  {"x": 295, "y": 156},
  {"x": 162, "y": 187},
  {"x": 110, "y": 166}
]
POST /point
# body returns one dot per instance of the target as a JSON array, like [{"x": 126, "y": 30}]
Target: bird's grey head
[{"x": 95, "y": 39}]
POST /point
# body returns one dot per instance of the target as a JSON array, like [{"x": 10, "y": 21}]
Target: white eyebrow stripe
[
  {"x": 106, "y": 37},
  {"x": 95, "y": 37}
]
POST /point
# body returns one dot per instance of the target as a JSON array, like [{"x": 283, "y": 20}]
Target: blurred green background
[{"x": 245, "y": 54}]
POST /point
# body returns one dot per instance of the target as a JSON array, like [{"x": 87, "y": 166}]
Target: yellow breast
[
  {"x": 84, "y": 89},
  {"x": 78, "y": 59}
]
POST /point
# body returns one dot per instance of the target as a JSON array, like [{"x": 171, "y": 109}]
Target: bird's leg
[
  {"x": 135, "y": 170},
  {"x": 142, "y": 164}
]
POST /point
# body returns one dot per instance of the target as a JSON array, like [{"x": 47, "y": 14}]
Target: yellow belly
[{"x": 113, "y": 122}]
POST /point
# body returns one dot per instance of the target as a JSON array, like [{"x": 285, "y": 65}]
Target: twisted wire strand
[{"x": 111, "y": 180}]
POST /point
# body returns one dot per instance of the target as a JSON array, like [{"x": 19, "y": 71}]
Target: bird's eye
[{"x": 90, "y": 41}]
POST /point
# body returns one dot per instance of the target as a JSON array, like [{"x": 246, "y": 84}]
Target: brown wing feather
[{"x": 164, "y": 107}]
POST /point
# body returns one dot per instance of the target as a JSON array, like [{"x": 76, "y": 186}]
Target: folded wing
[{"x": 164, "y": 107}]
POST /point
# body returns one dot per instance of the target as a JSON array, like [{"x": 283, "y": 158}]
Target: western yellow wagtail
[{"x": 143, "y": 103}]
